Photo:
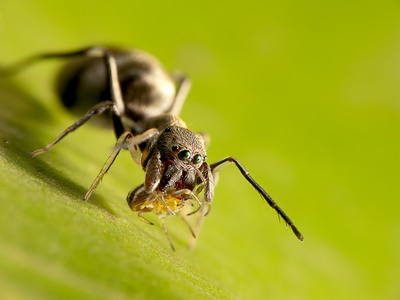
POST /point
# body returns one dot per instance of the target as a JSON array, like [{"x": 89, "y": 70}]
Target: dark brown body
[
  {"x": 144, "y": 102},
  {"x": 148, "y": 89}
]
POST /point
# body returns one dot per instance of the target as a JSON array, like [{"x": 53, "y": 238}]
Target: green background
[{"x": 305, "y": 93}]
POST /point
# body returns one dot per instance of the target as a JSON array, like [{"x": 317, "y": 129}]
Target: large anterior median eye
[
  {"x": 197, "y": 159},
  {"x": 184, "y": 155}
]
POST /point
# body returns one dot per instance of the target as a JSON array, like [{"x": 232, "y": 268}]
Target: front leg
[
  {"x": 138, "y": 139},
  {"x": 219, "y": 165},
  {"x": 107, "y": 165}
]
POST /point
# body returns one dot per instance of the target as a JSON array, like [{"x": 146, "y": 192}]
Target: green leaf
[{"x": 304, "y": 94}]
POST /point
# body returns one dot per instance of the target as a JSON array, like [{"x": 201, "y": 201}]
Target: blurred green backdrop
[{"x": 305, "y": 93}]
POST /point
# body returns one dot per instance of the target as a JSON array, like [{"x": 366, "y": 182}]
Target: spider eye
[
  {"x": 175, "y": 148},
  {"x": 184, "y": 155},
  {"x": 197, "y": 158}
]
